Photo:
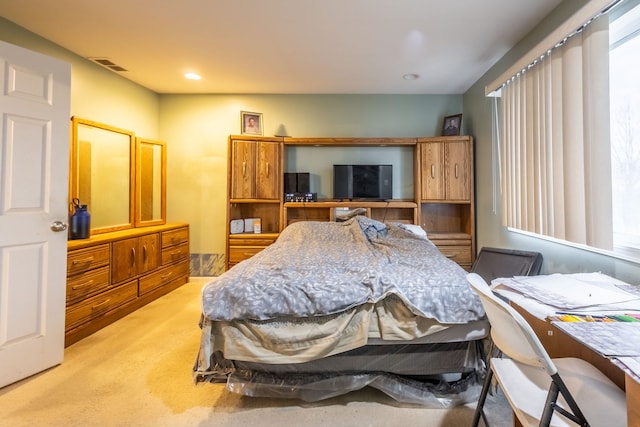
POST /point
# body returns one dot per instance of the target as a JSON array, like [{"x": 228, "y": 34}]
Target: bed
[{"x": 333, "y": 307}]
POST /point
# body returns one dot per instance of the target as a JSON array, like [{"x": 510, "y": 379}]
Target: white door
[{"x": 34, "y": 168}]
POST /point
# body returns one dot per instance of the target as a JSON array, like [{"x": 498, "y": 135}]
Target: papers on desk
[
  {"x": 630, "y": 365},
  {"x": 572, "y": 291},
  {"x": 618, "y": 341},
  {"x": 607, "y": 339},
  {"x": 590, "y": 295}
]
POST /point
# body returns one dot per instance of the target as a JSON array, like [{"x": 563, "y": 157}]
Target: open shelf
[
  {"x": 268, "y": 212},
  {"x": 446, "y": 217},
  {"x": 326, "y": 210}
]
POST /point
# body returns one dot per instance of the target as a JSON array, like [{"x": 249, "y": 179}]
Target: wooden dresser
[{"x": 113, "y": 274}]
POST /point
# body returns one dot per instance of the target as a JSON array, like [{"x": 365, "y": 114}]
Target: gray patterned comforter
[{"x": 323, "y": 268}]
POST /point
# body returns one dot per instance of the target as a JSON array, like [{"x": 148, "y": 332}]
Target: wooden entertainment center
[{"x": 442, "y": 203}]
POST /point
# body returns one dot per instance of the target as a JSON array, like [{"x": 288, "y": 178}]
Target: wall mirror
[
  {"x": 102, "y": 176},
  {"x": 151, "y": 182}
]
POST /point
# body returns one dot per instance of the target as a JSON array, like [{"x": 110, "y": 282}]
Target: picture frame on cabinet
[
  {"x": 451, "y": 125},
  {"x": 250, "y": 123}
]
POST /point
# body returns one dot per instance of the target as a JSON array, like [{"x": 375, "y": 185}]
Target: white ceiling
[{"x": 288, "y": 46}]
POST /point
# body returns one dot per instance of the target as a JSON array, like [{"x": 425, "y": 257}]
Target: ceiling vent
[{"x": 105, "y": 62}]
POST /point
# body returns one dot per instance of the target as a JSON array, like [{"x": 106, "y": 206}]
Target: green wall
[{"x": 558, "y": 258}]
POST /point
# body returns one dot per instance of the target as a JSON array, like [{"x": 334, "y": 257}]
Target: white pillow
[{"x": 415, "y": 229}]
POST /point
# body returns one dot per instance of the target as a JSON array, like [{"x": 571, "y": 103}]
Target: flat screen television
[{"x": 362, "y": 182}]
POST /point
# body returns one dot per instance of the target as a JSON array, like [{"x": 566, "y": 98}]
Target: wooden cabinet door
[
  {"x": 135, "y": 256},
  {"x": 123, "y": 257},
  {"x": 458, "y": 168},
  {"x": 243, "y": 174},
  {"x": 432, "y": 164},
  {"x": 148, "y": 252},
  {"x": 255, "y": 170},
  {"x": 268, "y": 170}
]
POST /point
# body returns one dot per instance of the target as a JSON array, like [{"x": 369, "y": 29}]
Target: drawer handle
[
  {"x": 450, "y": 255},
  {"x": 100, "y": 305},
  {"x": 433, "y": 171},
  {"x": 82, "y": 285},
  {"x": 176, "y": 255},
  {"x": 457, "y": 173},
  {"x": 82, "y": 261},
  {"x": 268, "y": 169},
  {"x": 166, "y": 276},
  {"x": 175, "y": 240}
]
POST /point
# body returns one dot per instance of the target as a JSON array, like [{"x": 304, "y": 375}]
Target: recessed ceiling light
[
  {"x": 411, "y": 76},
  {"x": 192, "y": 76}
]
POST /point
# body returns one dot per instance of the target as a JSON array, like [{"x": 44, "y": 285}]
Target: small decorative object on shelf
[
  {"x": 250, "y": 225},
  {"x": 236, "y": 226},
  {"x": 251, "y": 123},
  {"x": 451, "y": 125},
  {"x": 80, "y": 221}
]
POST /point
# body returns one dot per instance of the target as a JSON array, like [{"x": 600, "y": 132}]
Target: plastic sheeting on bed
[
  {"x": 439, "y": 375},
  {"x": 430, "y": 393}
]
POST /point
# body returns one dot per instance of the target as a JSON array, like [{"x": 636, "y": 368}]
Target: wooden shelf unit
[
  {"x": 446, "y": 195},
  {"x": 443, "y": 201}
]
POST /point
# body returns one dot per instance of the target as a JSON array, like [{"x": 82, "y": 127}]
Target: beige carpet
[{"x": 137, "y": 372}]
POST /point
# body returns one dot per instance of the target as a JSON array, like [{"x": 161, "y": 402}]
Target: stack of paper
[
  {"x": 607, "y": 339},
  {"x": 571, "y": 291}
]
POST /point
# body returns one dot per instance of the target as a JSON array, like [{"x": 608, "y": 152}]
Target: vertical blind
[{"x": 555, "y": 150}]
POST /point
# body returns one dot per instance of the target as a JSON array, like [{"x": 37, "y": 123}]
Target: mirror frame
[
  {"x": 139, "y": 222},
  {"x": 75, "y": 170}
]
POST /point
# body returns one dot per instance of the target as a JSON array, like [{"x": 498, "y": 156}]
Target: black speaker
[
  {"x": 386, "y": 182},
  {"x": 303, "y": 182},
  {"x": 342, "y": 182},
  {"x": 290, "y": 183}
]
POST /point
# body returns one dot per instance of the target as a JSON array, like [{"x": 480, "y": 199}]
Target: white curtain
[{"x": 555, "y": 151}]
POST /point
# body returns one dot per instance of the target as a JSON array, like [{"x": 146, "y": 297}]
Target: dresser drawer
[
  {"x": 99, "y": 305},
  {"x": 459, "y": 254},
  {"x": 84, "y": 285},
  {"x": 175, "y": 237},
  {"x": 263, "y": 241},
  {"x": 163, "y": 277},
  {"x": 240, "y": 253},
  {"x": 83, "y": 260},
  {"x": 175, "y": 253}
]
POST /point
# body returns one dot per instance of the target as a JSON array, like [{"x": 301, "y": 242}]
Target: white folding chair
[{"x": 543, "y": 391}]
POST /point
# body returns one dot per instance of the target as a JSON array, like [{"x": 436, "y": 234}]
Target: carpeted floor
[{"x": 137, "y": 372}]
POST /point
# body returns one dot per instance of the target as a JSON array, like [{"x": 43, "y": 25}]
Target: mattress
[{"x": 298, "y": 340}]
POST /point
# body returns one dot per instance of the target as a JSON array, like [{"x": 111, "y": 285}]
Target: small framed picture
[
  {"x": 451, "y": 125},
  {"x": 251, "y": 123}
]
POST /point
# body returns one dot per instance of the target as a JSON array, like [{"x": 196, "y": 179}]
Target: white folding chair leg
[{"x": 486, "y": 386}]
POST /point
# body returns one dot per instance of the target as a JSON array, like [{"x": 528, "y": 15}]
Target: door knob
[{"x": 58, "y": 226}]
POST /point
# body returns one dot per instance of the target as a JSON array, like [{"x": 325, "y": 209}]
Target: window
[
  {"x": 570, "y": 136},
  {"x": 624, "y": 60}
]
